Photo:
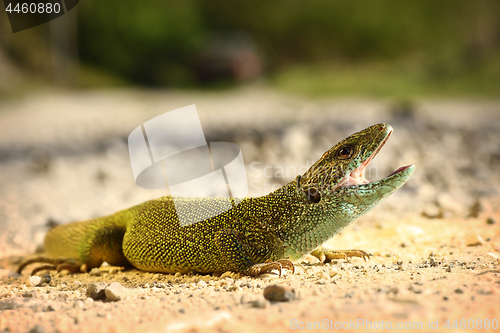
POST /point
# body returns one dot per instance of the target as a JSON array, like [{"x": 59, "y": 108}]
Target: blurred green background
[{"x": 383, "y": 48}]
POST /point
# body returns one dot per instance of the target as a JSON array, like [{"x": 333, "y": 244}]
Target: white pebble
[{"x": 34, "y": 281}]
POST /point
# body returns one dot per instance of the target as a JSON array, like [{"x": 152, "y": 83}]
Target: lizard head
[{"x": 340, "y": 172}]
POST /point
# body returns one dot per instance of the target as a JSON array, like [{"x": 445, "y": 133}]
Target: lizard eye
[
  {"x": 344, "y": 152},
  {"x": 313, "y": 195}
]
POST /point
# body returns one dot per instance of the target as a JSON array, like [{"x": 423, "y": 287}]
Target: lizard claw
[{"x": 269, "y": 266}]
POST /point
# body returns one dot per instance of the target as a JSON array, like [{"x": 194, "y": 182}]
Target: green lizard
[{"x": 258, "y": 235}]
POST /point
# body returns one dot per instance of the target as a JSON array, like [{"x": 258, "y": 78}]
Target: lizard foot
[
  {"x": 59, "y": 264},
  {"x": 326, "y": 256},
  {"x": 269, "y": 265}
]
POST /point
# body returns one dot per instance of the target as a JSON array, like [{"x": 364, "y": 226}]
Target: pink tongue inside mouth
[
  {"x": 357, "y": 176},
  {"x": 400, "y": 169}
]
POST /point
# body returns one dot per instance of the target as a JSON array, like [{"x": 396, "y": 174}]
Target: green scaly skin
[{"x": 255, "y": 236}]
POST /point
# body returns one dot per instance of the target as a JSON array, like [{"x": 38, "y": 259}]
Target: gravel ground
[{"x": 434, "y": 244}]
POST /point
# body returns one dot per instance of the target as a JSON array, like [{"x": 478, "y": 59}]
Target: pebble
[
  {"x": 490, "y": 220},
  {"x": 34, "y": 281},
  {"x": 95, "y": 271},
  {"x": 279, "y": 293},
  {"x": 115, "y": 292},
  {"x": 96, "y": 290},
  {"x": 259, "y": 304},
  {"x": 46, "y": 279},
  {"x": 37, "y": 329},
  {"x": 459, "y": 291},
  {"x": 77, "y": 284},
  {"x": 475, "y": 209},
  {"x": 88, "y": 302},
  {"x": 415, "y": 289},
  {"x": 227, "y": 282},
  {"x": 432, "y": 211},
  {"x": 492, "y": 255},
  {"x": 474, "y": 240},
  {"x": 79, "y": 304},
  {"x": 55, "y": 306}
]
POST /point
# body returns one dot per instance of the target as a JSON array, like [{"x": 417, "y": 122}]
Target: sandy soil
[{"x": 434, "y": 244}]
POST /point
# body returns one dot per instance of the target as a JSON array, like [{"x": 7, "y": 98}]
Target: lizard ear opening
[{"x": 313, "y": 195}]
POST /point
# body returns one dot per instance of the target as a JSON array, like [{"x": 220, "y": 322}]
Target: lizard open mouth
[{"x": 357, "y": 176}]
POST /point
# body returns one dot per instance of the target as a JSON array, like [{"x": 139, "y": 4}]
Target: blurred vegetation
[{"x": 318, "y": 47}]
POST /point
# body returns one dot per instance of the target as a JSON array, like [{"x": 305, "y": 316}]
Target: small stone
[
  {"x": 474, "y": 240},
  {"x": 53, "y": 307},
  {"x": 279, "y": 293},
  {"x": 393, "y": 290},
  {"x": 448, "y": 269},
  {"x": 95, "y": 271},
  {"x": 459, "y": 291},
  {"x": 178, "y": 274},
  {"x": 46, "y": 279},
  {"x": 485, "y": 291},
  {"x": 475, "y": 209},
  {"x": 37, "y": 329},
  {"x": 415, "y": 289},
  {"x": 433, "y": 262},
  {"x": 493, "y": 255},
  {"x": 96, "y": 290},
  {"x": 115, "y": 292},
  {"x": 490, "y": 220},
  {"x": 324, "y": 276},
  {"x": 227, "y": 274},
  {"x": 432, "y": 211},
  {"x": 227, "y": 282},
  {"x": 79, "y": 304},
  {"x": 88, "y": 302},
  {"x": 349, "y": 294},
  {"x": 259, "y": 304},
  {"x": 27, "y": 294},
  {"x": 34, "y": 281},
  {"x": 77, "y": 284}
]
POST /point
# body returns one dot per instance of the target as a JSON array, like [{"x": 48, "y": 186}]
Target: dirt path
[{"x": 434, "y": 245}]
